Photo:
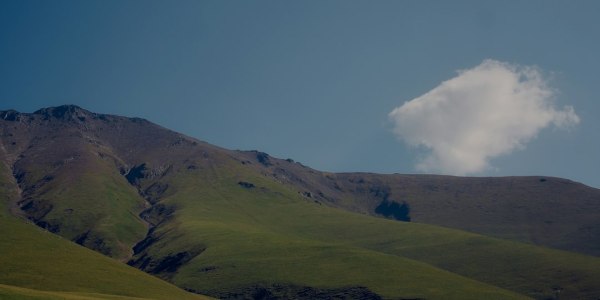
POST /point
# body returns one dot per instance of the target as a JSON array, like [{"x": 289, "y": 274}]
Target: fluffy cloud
[{"x": 482, "y": 113}]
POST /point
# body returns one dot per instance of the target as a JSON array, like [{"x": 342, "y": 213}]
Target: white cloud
[{"x": 484, "y": 112}]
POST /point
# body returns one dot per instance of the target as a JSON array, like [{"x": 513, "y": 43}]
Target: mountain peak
[{"x": 64, "y": 112}]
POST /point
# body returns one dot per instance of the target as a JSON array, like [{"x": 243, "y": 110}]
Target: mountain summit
[
  {"x": 63, "y": 111},
  {"x": 243, "y": 224}
]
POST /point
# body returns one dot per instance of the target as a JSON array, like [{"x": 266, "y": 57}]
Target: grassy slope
[
  {"x": 551, "y": 212},
  {"x": 531, "y": 270},
  {"x": 269, "y": 234},
  {"x": 91, "y": 201},
  {"x": 107, "y": 206},
  {"x": 36, "y": 259},
  {"x": 547, "y": 211},
  {"x": 265, "y": 236},
  {"x": 17, "y": 293}
]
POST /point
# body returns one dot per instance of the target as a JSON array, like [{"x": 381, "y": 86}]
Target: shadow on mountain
[{"x": 394, "y": 210}]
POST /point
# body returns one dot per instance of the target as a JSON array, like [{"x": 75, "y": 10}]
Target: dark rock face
[
  {"x": 277, "y": 291},
  {"x": 135, "y": 174},
  {"x": 157, "y": 214},
  {"x": 263, "y": 158},
  {"x": 10, "y": 115},
  {"x": 36, "y": 209},
  {"x": 142, "y": 172},
  {"x": 165, "y": 266},
  {"x": 146, "y": 242},
  {"x": 154, "y": 192},
  {"x": 171, "y": 263},
  {"x": 54, "y": 228},
  {"x": 90, "y": 240},
  {"x": 247, "y": 185}
]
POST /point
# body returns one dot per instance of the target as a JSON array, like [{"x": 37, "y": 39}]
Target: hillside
[
  {"x": 237, "y": 224},
  {"x": 38, "y": 265},
  {"x": 547, "y": 211}
]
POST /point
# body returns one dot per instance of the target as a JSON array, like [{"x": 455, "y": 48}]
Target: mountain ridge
[
  {"x": 193, "y": 214},
  {"x": 361, "y": 192}
]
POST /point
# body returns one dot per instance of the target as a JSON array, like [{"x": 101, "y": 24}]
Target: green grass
[
  {"x": 17, "y": 293},
  {"x": 93, "y": 197},
  {"x": 265, "y": 236},
  {"x": 271, "y": 235},
  {"x": 36, "y": 264}
]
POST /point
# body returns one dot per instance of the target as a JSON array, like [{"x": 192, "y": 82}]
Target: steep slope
[
  {"x": 36, "y": 264},
  {"x": 240, "y": 224},
  {"x": 70, "y": 184}
]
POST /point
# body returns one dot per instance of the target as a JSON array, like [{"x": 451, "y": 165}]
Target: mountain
[
  {"x": 540, "y": 210},
  {"x": 243, "y": 224}
]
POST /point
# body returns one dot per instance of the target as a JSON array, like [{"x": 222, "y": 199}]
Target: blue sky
[{"x": 310, "y": 80}]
